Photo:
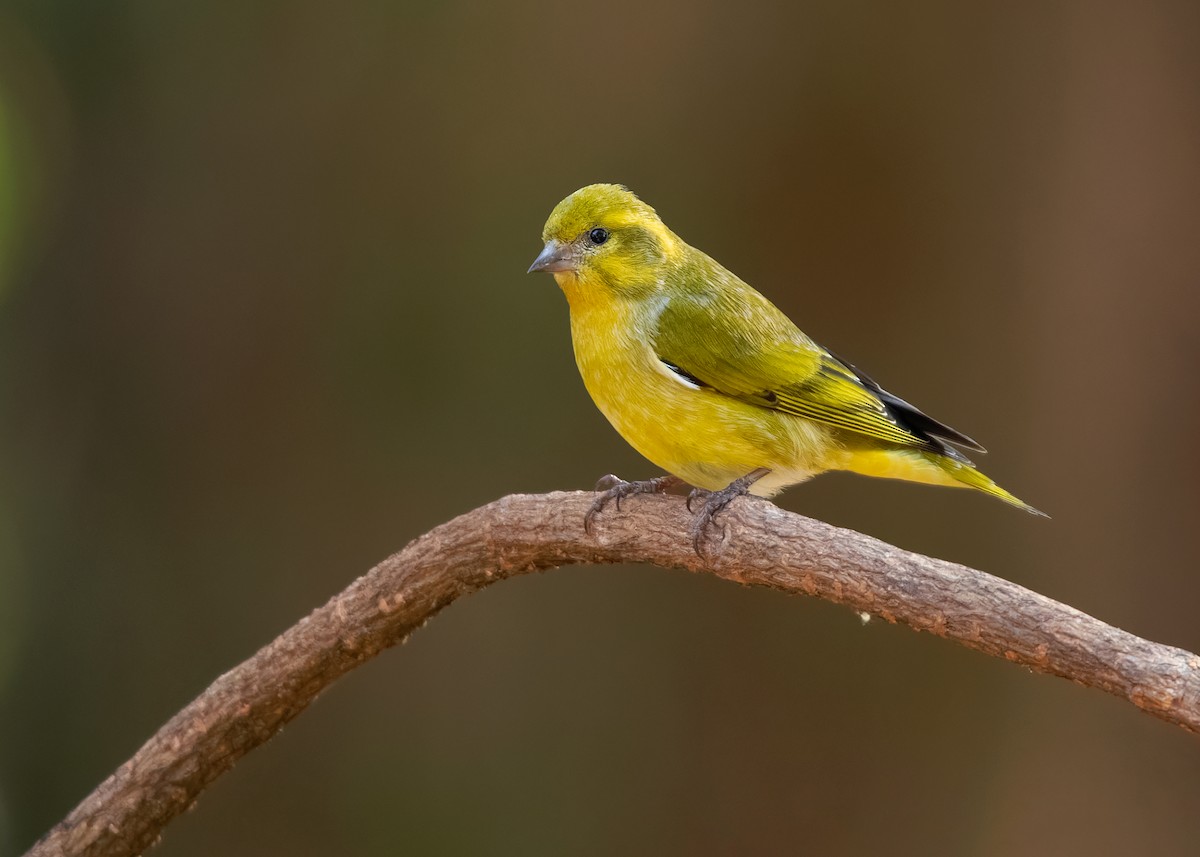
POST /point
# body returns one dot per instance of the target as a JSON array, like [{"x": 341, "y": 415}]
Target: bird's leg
[
  {"x": 615, "y": 488},
  {"x": 715, "y": 501}
]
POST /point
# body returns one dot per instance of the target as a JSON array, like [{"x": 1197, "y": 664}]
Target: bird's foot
[
  {"x": 716, "y": 501},
  {"x": 615, "y": 489}
]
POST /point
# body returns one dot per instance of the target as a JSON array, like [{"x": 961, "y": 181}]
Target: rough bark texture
[{"x": 763, "y": 546}]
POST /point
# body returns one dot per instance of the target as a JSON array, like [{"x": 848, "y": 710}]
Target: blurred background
[{"x": 264, "y": 318}]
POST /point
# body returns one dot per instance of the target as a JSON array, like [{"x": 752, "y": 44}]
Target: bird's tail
[
  {"x": 965, "y": 474},
  {"x": 931, "y": 468}
]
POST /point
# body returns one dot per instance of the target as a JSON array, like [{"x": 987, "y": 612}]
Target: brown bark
[{"x": 763, "y": 546}]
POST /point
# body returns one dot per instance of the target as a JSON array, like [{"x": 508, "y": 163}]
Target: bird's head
[{"x": 604, "y": 235}]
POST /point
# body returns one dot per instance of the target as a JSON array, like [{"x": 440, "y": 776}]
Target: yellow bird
[{"x": 705, "y": 377}]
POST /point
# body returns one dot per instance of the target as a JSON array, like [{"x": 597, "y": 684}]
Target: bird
[{"x": 711, "y": 382}]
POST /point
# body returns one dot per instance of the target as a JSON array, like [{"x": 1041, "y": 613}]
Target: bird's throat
[{"x": 583, "y": 293}]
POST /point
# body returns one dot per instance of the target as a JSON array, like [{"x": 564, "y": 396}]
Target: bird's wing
[{"x": 737, "y": 343}]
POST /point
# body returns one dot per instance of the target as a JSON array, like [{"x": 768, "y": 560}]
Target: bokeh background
[{"x": 264, "y": 318}]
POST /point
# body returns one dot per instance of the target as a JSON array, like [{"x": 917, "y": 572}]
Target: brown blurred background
[{"x": 264, "y": 318}]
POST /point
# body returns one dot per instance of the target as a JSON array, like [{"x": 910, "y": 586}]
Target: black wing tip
[
  {"x": 913, "y": 419},
  {"x": 925, "y": 426},
  {"x": 944, "y": 432}
]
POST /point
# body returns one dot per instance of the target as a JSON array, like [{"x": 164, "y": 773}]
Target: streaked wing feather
[
  {"x": 767, "y": 361},
  {"x": 919, "y": 421},
  {"x": 834, "y": 396}
]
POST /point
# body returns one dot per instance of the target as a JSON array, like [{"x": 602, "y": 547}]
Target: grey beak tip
[{"x": 553, "y": 258}]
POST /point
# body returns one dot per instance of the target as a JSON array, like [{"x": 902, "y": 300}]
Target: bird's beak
[{"x": 554, "y": 258}]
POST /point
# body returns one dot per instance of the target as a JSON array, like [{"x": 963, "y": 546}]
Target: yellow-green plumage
[{"x": 710, "y": 381}]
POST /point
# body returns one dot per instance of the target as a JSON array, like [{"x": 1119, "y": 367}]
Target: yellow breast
[{"x": 706, "y": 438}]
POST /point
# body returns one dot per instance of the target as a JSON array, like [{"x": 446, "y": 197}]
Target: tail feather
[
  {"x": 972, "y": 478},
  {"x": 931, "y": 468}
]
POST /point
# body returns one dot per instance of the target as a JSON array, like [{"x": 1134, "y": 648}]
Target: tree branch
[{"x": 763, "y": 546}]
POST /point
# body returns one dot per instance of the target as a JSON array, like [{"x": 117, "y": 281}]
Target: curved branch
[{"x": 763, "y": 546}]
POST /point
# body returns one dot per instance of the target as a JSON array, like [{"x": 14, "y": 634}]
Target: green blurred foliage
[
  {"x": 265, "y": 319},
  {"x": 8, "y": 195}
]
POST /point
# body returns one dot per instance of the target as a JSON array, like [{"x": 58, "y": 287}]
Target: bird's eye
[{"x": 598, "y": 235}]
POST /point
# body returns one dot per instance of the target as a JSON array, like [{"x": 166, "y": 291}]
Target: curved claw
[
  {"x": 696, "y": 494},
  {"x": 596, "y": 508},
  {"x": 715, "y": 502},
  {"x": 615, "y": 489},
  {"x": 608, "y": 481},
  {"x": 698, "y": 529}
]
